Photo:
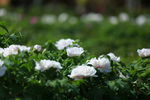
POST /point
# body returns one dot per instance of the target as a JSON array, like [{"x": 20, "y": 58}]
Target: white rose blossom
[
  {"x": 102, "y": 63},
  {"x": 113, "y": 57},
  {"x": 2, "y": 68},
  {"x": 14, "y": 50},
  {"x": 46, "y": 64},
  {"x": 144, "y": 52},
  {"x": 38, "y": 47},
  {"x": 74, "y": 51},
  {"x": 82, "y": 71},
  {"x": 63, "y": 43}
]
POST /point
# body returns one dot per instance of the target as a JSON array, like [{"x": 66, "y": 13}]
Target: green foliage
[{"x": 7, "y": 38}]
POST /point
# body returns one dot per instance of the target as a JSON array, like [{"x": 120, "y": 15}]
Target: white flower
[
  {"x": 141, "y": 20},
  {"x": 113, "y": 20},
  {"x": 63, "y": 43},
  {"x": 46, "y": 64},
  {"x": 14, "y": 50},
  {"x": 144, "y": 52},
  {"x": 94, "y": 62},
  {"x": 2, "y": 68},
  {"x": 11, "y": 50},
  {"x": 38, "y": 47},
  {"x": 23, "y": 48},
  {"x": 92, "y": 17},
  {"x": 1, "y": 50},
  {"x": 123, "y": 17},
  {"x": 63, "y": 17},
  {"x": 82, "y": 71},
  {"x": 103, "y": 64},
  {"x": 74, "y": 51},
  {"x": 3, "y": 12},
  {"x": 48, "y": 19},
  {"x": 113, "y": 57}
]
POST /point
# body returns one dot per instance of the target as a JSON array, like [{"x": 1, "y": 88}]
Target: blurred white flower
[
  {"x": 113, "y": 20},
  {"x": 141, "y": 20},
  {"x": 82, "y": 71},
  {"x": 113, "y": 57},
  {"x": 48, "y": 19},
  {"x": 2, "y": 68},
  {"x": 74, "y": 51},
  {"x": 144, "y": 52},
  {"x": 123, "y": 17},
  {"x": 94, "y": 62},
  {"x": 14, "y": 50},
  {"x": 102, "y": 63},
  {"x": 1, "y": 50},
  {"x": 11, "y": 50},
  {"x": 63, "y": 43},
  {"x": 63, "y": 17},
  {"x": 92, "y": 17},
  {"x": 38, "y": 47},
  {"x": 23, "y": 48},
  {"x": 3, "y": 12},
  {"x": 46, "y": 64}
]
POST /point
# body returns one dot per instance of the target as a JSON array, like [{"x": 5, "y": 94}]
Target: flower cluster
[
  {"x": 46, "y": 64},
  {"x": 103, "y": 64},
  {"x": 15, "y": 49},
  {"x": 71, "y": 51},
  {"x": 63, "y": 43}
]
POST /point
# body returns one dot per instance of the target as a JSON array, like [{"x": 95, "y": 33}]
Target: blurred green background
[{"x": 103, "y": 26}]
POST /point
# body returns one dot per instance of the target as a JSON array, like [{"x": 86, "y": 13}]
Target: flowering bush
[{"x": 64, "y": 70}]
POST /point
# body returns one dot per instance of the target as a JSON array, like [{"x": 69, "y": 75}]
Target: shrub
[{"x": 45, "y": 72}]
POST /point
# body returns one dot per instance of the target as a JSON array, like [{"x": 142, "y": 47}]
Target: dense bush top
[{"x": 63, "y": 70}]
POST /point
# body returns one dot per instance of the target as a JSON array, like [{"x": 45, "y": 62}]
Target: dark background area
[{"x": 83, "y": 6}]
